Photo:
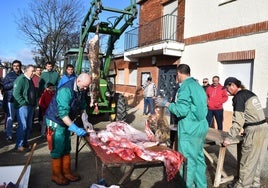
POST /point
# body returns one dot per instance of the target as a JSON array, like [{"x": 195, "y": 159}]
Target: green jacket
[
  {"x": 191, "y": 108},
  {"x": 64, "y": 100},
  {"x": 46, "y": 77},
  {"x": 24, "y": 92}
]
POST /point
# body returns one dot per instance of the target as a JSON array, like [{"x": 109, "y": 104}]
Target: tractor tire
[{"x": 120, "y": 108}]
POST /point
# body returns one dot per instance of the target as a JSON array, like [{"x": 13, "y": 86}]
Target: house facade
[
  {"x": 221, "y": 37},
  {"x": 228, "y": 38}
]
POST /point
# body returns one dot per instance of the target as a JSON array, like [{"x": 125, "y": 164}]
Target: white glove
[
  {"x": 84, "y": 117},
  {"x": 88, "y": 126}
]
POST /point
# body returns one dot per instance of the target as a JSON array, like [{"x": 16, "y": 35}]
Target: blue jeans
[
  {"x": 25, "y": 119},
  {"x": 148, "y": 101},
  {"x": 10, "y": 118},
  {"x": 218, "y": 116}
]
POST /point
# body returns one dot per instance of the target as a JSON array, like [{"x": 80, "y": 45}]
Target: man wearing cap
[{"x": 248, "y": 115}]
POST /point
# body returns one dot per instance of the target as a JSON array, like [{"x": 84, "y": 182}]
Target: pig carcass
[{"x": 93, "y": 57}]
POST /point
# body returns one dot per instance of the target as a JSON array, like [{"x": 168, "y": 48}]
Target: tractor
[{"x": 109, "y": 102}]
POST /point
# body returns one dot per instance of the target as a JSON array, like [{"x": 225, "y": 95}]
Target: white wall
[
  {"x": 202, "y": 59},
  {"x": 207, "y": 16}
]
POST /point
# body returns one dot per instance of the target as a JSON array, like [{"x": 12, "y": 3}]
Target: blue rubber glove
[
  {"x": 161, "y": 101},
  {"x": 78, "y": 131}
]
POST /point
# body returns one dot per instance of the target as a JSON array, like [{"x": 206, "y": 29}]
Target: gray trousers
[{"x": 254, "y": 149}]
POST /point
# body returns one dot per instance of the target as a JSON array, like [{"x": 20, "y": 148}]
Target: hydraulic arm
[
  {"x": 124, "y": 19},
  {"x": 112, "y": 23}
]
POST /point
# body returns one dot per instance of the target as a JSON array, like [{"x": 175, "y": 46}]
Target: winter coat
[
  {"x": 35, "y": 80},
  {"x": 65, "y": 78},
  {"x": 46, "y": 77},
  {"x": 216, "y": 97},
  {"x": 45, "y": 100},
  {"x": 24, "y": 92},
  {"x": 8, "y": 82}
]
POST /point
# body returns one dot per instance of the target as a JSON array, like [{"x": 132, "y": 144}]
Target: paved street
[{"x": 140, "y": 178}]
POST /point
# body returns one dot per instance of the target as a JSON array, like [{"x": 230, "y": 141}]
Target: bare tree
[{"x": 51, "y": 26}]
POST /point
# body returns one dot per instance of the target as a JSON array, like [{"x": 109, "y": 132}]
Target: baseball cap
[{"x": 230, "y": 80}]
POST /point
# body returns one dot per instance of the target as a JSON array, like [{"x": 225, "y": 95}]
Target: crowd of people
[
  {"x": 58, "y": 101},
  {"x": 41, "y": 88},
  {"x": 192, "y": 107}
]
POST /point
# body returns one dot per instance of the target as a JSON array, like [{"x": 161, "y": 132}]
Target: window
[
  {"x": 144, "y": 76},
  {"x": 133, "y": 77},
  {"x": 170, "y": 20},
  {"x": 242, "y": 70},
  {"x": 121, "y": 76}
]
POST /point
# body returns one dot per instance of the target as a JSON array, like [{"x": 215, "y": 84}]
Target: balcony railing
[{"x": 166, "y": 28}]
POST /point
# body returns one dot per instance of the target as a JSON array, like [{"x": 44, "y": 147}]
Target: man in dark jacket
[{"x": 8, "y": 97}]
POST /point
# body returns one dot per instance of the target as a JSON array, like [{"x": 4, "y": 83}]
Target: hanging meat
[{"x": 93, "y": 57}]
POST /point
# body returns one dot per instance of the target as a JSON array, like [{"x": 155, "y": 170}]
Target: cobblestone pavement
[{"x": 141, "y": 178}]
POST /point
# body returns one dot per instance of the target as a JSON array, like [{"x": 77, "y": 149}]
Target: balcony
[{"x": 162, "y": 36}]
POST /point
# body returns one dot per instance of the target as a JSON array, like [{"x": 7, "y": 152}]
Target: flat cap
[{"x": 230, "y": 80}]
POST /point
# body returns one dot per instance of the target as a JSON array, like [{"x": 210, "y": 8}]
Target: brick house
[
  {"x": 221, "y": 37},
  {"x": 153, "y": 49}
]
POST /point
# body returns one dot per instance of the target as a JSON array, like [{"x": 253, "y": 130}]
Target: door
[
  {"x": 169, "y": 24},
  {"x": 167, "y": 81}
]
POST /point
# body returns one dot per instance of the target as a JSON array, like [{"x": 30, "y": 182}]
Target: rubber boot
[
  {"x": 66, "y": 161},
  {"x": 57, "y": 175}
]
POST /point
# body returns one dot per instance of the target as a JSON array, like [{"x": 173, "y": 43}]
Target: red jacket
[
  {"x": 216, "y": 97},
  {"x": 45, "y": 99},
  {"x": 35, "y": 80}
]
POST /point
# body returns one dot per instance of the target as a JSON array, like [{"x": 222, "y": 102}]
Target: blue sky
[{"x": 12, "y": 45}]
